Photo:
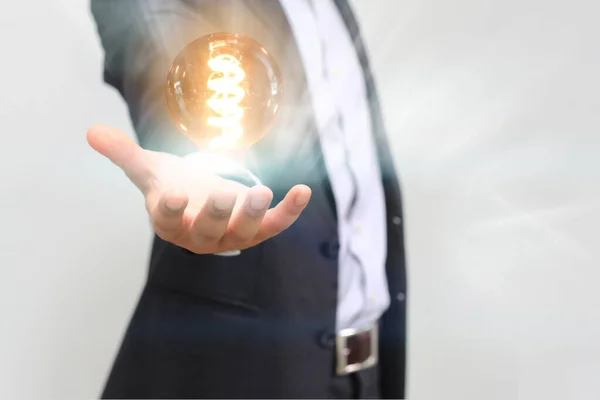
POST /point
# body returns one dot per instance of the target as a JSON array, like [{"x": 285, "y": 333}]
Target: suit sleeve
[{"x": 140, "y": 39}]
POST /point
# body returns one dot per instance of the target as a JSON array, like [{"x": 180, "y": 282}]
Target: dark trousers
[{"x": 359, "y": 385}]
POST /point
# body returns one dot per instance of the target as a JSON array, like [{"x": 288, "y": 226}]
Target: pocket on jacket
[{"x": 229, "y": 280}]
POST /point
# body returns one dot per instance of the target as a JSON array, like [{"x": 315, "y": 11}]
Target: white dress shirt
[{"x": 337, "y": 86}]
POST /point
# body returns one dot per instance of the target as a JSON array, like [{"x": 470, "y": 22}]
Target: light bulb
[{"x": 223, "y": 91}]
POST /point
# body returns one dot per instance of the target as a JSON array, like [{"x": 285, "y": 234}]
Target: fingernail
[
  {"x": 224, "y": 202},
  {"x": 175, "y": 204},
  {"x": 259, "y": 202}
]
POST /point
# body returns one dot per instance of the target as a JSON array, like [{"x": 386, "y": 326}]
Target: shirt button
[
  {"x": 396, "y": 220},
  {"x": 373, "y": 298},
  {"x": 400, "y": 297}
]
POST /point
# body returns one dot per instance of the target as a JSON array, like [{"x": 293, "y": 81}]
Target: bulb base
[{"x": 226, "y": 167}]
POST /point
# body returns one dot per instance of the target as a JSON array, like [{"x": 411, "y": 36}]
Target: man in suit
[{"x": 314, "y": 303}]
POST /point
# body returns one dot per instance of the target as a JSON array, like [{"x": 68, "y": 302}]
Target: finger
[
  {"x": 211, "y": 223},
  {"x": 118, "y": 147},
  {"x": 246, "y": 222},
  {"x": 167, "y": 214},
  {"x": 285, "y": 213}
]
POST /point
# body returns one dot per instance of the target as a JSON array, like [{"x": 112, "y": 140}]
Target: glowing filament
[{"x": 225, "y": 82}]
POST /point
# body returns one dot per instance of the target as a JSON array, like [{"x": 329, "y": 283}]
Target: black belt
[{"x": 356, "y": 349}]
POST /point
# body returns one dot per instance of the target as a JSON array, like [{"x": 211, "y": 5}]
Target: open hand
[{"x": 194, "y": 208}]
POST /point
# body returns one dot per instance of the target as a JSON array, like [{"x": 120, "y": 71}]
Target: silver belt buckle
[{"x": 342, "y": 366}]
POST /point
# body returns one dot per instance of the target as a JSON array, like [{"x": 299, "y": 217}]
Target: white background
[{"x": 493, "y": 112}]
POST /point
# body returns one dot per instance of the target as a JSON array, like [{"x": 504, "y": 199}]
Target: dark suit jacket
[{"x": 260, "y": 324}]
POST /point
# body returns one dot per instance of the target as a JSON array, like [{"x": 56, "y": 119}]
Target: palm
[
  {"x": 192, "y": 207},
  {"x": 185, "y": 175}
]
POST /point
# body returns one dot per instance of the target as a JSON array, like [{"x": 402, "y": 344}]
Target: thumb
[
  {"x": 112, "y": 143},
  {"x": 123, "y": 151}
]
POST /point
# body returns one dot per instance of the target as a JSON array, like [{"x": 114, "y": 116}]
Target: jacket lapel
[{"x": 388, "y": 173}]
